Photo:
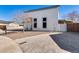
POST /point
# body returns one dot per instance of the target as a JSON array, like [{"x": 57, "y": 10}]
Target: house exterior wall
[{"x": 50, "y": 14}]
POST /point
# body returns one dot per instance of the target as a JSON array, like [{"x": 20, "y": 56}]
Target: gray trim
[{"x": 42, "y": 9}]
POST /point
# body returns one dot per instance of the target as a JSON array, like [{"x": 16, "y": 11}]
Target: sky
[
  {"x": 65, "y": 9},
  {"x": 7, "y": 12}
]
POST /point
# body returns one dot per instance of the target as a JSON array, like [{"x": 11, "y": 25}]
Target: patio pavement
[
  {"x": 39, "y": 44},
  {"x": 31, "y": 42},
  {"x": 20, "y": 34},
  {"x": 68, "y": 41}
]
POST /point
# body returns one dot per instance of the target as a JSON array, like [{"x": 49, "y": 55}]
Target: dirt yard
[{"x": 19, "y": 34}]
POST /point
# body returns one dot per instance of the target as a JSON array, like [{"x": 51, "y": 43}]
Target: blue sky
[
  {"x": 65, "y": 9},
  {"x": 7, "y": 12}
]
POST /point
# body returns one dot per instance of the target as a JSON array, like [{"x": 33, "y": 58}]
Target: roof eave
[{"x": 56, "y": 6}]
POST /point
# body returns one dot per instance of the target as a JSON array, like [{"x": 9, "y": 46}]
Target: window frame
[
  {"x": 44, "y": 22},
  {"x": 35, "y": 23}
]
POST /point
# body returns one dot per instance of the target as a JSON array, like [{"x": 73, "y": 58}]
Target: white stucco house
[{"x": 43, "y": 19}]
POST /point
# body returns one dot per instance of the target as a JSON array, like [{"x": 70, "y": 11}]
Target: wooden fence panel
[{"x": 74, "y": 27}]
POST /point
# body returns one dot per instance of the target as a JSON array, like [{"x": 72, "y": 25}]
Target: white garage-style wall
[
  {"x": 62, "y": 27},
  {"x": 51, "y": 16}
]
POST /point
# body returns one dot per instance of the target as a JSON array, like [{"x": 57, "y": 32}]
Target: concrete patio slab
[
  {"x": 19, "y": 34},
  {"x": 39, "y": 44}
]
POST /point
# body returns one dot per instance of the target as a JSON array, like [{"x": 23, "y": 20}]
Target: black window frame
[
  {"x": 44, "y": 25},
  {"x": 35, "y": 23},
  {"x": 44, "y": 19},
  {"x": 35, "y": 19}
]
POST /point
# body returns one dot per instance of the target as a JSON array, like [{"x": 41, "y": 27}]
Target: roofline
[{"x": 50, "y": 7}]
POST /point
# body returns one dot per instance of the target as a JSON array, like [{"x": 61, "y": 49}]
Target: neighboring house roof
[{"x": 55, "y": 6}]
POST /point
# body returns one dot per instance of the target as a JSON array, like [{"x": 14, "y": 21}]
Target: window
[
  {"x": 35, "y": 22},
  {"x": 44, "y": 23},
  {"x": 35, "y": 19},
  {"x": 35, "y": 25},
  {"x": 44, "y": 19}
]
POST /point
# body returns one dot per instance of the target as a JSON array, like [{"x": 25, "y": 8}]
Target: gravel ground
[{"x": 68, "y": 41}]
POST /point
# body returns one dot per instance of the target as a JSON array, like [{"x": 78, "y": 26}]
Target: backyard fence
[{"x": 73, "y": 27}]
